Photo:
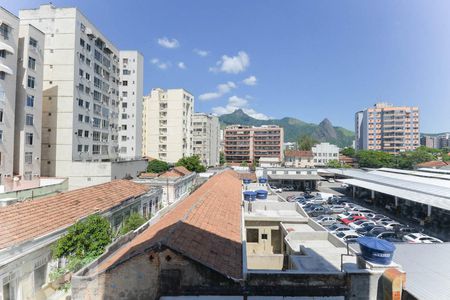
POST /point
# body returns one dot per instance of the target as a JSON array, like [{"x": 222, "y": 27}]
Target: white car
[
  {"x": 344, "y": 185},
  {"x": 334, "y": 229},
  {"x": 331, "y": 180},
  {"x": 326, "y": 220},
  {"x": 390, "y": 225},
  {"x": 347, "y": 236},
  {"x": 360, "y": 224},
  {"x": 349, "y": 214},
  {"x": 419, "y": 238}
]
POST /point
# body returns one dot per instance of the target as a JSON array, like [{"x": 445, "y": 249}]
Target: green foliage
[
  {"x": 375, "y": 159},
  {"x": 306, "y": 142},
  {"x": 222, "y": 158},
  {"x": 334, "y": 163},
  {"x": 134, "y": 221},
  {"x": 192, "y": 163},
  {"x": 350, "y": 152},
  {"x": 244, "y": 164},
  {"x": 86, "y": 238},
  {"x": 157, "y": 166}
]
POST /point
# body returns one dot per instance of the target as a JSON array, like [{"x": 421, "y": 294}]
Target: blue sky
[{"x": 304, "y": 59}]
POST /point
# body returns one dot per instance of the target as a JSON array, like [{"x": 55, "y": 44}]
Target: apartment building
[
  {"x": 80, "y": 97},
  {"x": 388, "y": 128},
  {"x": 28, "y": 119},
  {"x": 249, "y": 144},
  {"x": 437, "y": 142},
  {"x": 206, "y": 138},
  {"x": 130, "y": 107},
  {"x": 323, "y": 153},
  {"x": 167, "y": 124},
  {"x": 9, "y": 34}
]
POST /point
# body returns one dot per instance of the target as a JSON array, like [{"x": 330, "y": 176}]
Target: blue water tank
[
  {"x": 249, "y": 195},
  {"x": 246, "y": 181},
  {"x": 376, "y": 250},
  {"x": 261, "y": 194},
  {"x": 262, "y": 180}
]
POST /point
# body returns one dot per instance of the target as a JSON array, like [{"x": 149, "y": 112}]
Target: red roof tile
[
  {"x": 205, "y": 227},
  {"x": 298, "y": 153},
  {"x": 182, "y": 170},
  {"x": 433, "y": 164},
  {"x": 32, "y": 219}
]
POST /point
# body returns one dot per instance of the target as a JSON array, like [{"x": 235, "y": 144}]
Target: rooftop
[
  {"x": 298, "y": 153},
  {"x": 205, "y": 227},
  {"x": 29, "y": 220},
  {"x": 11, "y": 185}
]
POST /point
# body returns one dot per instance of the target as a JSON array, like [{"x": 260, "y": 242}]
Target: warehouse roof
[{"x": 294, "y": 177}]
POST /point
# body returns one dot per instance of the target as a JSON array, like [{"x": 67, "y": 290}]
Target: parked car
[
  {"x": 348, "y": 236},
  {"x": 419, "y": 238},
  {"x": 288, "y": 188},
  {"x": 352, "y": 219},
  {"x": 406, "y": 230},
  {"x": 317, "y": 211},
  {"x": 372, "y": 216},
  {"x": 348, "y": 205},
  {"x": 349, "y": 214},
  {"x": 336, "y": 209},
  {"x": 325, "y": 220},
  {"x": 360, "y": 223},
  {"x": 338, "y": 228},
  {"x": 376, "y": 231},
  {"x": 366, "y": 228},
  {"x": 390, "y": 225},
  {"x": 344, "y": 185},
  {"x": 331, "y": 180},
  {"x": 386, "y": 219}
]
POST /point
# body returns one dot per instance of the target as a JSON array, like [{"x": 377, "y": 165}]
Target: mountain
[{"x": 294, "y": 128}]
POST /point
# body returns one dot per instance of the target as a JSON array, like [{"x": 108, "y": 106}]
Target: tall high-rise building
[
  {"x": 130, "y": 107},
  {"x": 167, "y": 124},
  {"x": 249, "y": 144},
  {"x": 388, "y": 128},
  {"x": 206, "y": 138},
  {"x": 9, "y": 34}
]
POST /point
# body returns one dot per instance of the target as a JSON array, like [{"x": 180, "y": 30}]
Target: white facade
[
  {"x": 9, "y": 33},
  {"x": 130, "y": 108},
  {"x": 324, "y": 153},
  {"x": 28, "y": 122},
  {"x": 167, "y": 124},
  {"x": 206, "y": 138}
]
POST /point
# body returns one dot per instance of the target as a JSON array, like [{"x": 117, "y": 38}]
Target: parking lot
[{"x": 361, "y": 219}]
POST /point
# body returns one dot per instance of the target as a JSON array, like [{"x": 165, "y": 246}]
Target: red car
[{"x": 349, "y": 220}]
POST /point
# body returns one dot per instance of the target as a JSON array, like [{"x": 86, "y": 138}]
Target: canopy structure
[{"x": 294, "y": 177}]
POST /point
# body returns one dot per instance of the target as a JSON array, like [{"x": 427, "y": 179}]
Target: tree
[
  {"x": 222, "y": 158},
  {"x": 350, "y": 152},
  {"x": 157, "y": 166},
  {"x": 134, "y": 221},
  {"x": 306, "y": 142},
  {"x": 192, "y": 163},
  {"x": 375, "y": 159},
  {"x": 244, "y": 164},
  {"x": 334, "y": 163},
  {"x": 86, "y": 238}
]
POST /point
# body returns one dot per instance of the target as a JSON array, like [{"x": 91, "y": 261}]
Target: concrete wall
[
  {"x": 35, "y": 193},
  {"x": 265, "y": 262}
]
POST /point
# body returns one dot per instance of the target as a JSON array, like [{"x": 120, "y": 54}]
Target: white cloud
[
  {"x": 233, "y": 64},
  {"x": 181, "y": 65},
  {"x": 159, "y": 64},
  {"x": 168, "y": 43},
  {"x": 235, "y": 102},
  {"x": 200, "y": 52},
  {"x": 222, "y": 89},
  {"x": 250, "y": 80}
]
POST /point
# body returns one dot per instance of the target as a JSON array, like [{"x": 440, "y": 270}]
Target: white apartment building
[
  {"x": 324, "y": 153},
  {"x": 130, "y": 108},
  {"x": 28, "y": 121},
  {"x": 80, "y": 96},
  {"x": 206, "y": 138},
  {"x": 167, "y": 124},
  {"x": 9, "y": 34}
]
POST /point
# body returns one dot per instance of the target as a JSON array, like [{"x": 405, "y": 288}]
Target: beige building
[
  {"x": 80, "y": 97},
  {"x": 206, "y": 138},
  {"x": 299, "y": 159},
  {"x": 167, "y": 124},
  {"x": 249, "y": 144},
  {"x": 130, "y": 105},
  {"x": 388, "y": 128}
]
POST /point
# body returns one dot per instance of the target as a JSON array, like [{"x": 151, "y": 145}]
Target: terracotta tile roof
[
  {"x": 298, "y": 153},
  {"x": 346, "y": 159},
  {"x": 176, "y": 172},
  {"x": 148, "y": 175},
  {"x": 205, "y": 227},
  {"x": 247, "y": 175},
  {"x": 433, "y": 164},
  {"x": 171, "y": 174},
  {"x": 182, "y": 170},
  {"x": 32, "y": 219}
]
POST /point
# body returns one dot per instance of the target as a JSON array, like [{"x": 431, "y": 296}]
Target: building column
[
  {"x": 372, "y": 194},
  {"x": 396, "y": 201},
  {"x": 354, "y": 192},
  {"x": 429, "y": 211}
]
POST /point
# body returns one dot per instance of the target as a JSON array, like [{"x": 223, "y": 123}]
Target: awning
[
  {"x": 6, "y": 69},
  {"x": 294, "y": 177},
  {"x": 4, "y": 46}
]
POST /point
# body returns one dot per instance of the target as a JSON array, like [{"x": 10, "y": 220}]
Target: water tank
[
  {"x": 261, "y": 194},
  {"x": 262, "y": 180},
  {"x": 246, "y": 181},
  {"x": 249, "y": 195},
  {"x": 376, "y": 250}
]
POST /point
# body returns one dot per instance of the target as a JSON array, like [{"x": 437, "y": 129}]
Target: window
[
  {"x": 40, "y": 277},
  {"x": 88, "y": 61},
  {"x": 80, "y": 72},
  {"x": 33, "y": 43},
  {"x": 124, "y": 105},
  {"x": 86, "y": 133},
  {"x": 1, "y": 135},
  {"x": 31, "y": 63},
  {"x": 88, "y": 76},
  {"x": 30, "y": 101},
  {"x": 4, "y": 31},
  {"x": 86, "y": 148},
  {"x": 29, "y": 120},
  {"x": 31, "y": 80},
  {"x": 80, "y": 132},
  {"x": 96, "y": 136},
  {"x": 86, "y": 104},
  {"x": 86, "y": 119},
  {"x": 29, "y": 158},
  {"x": 79, "y": 148},
  {"x": 80, "y": 118},
  {"x": 124, "y": 116},
  {"x": 264, "y": 236},
  {"x": 124, "y": 94},
  {"x": 82, "y": 43},
  {"x": 29, "y": 139},
  {"x": 95, "y": 149},
  {"x": 80, "y": 102},
  {"x": 125, "y": 60},
  {"x": 252, "y": 236},
  {"x": 125, "y": 83},
  {"x": 2, "y": 53},
  {"x": 1, "y": 115}
]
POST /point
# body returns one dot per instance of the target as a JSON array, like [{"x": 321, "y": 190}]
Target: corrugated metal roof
[
  {"x": 427, "y": 269},
  {"x": 294, "y": 177},
  {"x": 432, "y": 181},
  {"x": 416, "y": 173}
]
